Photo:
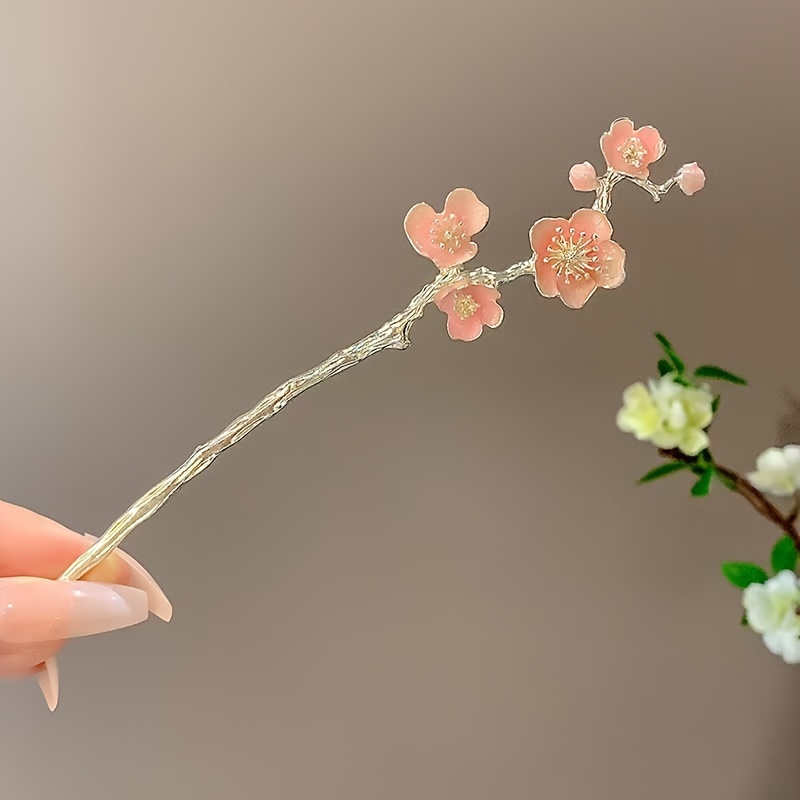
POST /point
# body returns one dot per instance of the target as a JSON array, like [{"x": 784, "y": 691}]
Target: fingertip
[{"x": 138, "y": 577}]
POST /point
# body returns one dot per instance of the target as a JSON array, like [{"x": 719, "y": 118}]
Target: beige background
[{"x": 432, "y": 577}]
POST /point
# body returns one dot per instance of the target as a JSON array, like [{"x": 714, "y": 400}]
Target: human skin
[{"x": 39, "y": 613}]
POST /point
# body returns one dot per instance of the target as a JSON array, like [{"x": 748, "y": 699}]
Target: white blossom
[
  {"x": 668, "y": 414},
  {"x": 771, "y": 609},
  {"x": 778, "y": 471}
]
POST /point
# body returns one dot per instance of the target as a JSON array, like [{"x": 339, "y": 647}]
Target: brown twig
[
  {"x": 795, "y": 510},
  {"x": 757, "y": 499}
]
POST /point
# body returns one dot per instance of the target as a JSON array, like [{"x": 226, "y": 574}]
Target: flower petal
[
  {"x": 490, "y": 312},
  {"x": 772, "y": 461},
  {"x": 464, "y": 203},
  {"x": 591, "y": 222},
  {"x": 417, "y": 225},
  {"x": 466, "y": 330},
  {"x": 543, "y": 231},
  {"x": 694, "y": 441},
  {"x": 544, "y": 276},
  {"x": 447, "y": 260},
  {"x": 611, "y": 265},
  {"x": 792, "y": 454},
  {"x": 492, "y": 315},
  {"x": 652, "y": 142},
  {"x": 575, "y": 293}
]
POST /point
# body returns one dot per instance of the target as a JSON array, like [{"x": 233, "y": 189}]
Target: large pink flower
[
  {"x": 444, "y": 238},
  {"x": 469, "y": 307},
  {"x": 630, "y": 151},
  {"x": 575, "y": 256}
]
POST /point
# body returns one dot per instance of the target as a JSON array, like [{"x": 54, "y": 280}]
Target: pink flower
[
  {"x": 691, "y": 178},
  {"x": 575, "y": 256},
  {"x": 631, "y": 151},
  {"x": 444, "y": 238},
  {"x": 583, "y": 177},
  {"x": 469, "y": 307}
]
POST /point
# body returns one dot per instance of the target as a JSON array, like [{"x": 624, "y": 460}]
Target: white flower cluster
[
  {"x": 778, "y": 471},
  {"x": 668, "y": 414},
  {"x": 772, "y": 611}
]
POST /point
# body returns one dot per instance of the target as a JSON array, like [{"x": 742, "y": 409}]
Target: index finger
[{"x": 31, "y": 544}]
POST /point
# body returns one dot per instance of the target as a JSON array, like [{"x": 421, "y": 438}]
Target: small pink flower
[
  {"x": 469, "y": 307},
  {"x": 583, "y": 177},
  {"x": 691, "y": 178},
  {"x": 630, "y": 151},
  {"x": 575, "y": 256},
  {"x": 445, "y": 238}
]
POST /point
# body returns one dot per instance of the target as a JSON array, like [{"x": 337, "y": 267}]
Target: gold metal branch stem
[
  {"x": 392, "y": 335},
  {"x": 608, "y": 181}
]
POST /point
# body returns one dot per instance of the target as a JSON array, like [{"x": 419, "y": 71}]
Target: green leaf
[
  {"x": 784, "y": 555},
  {"x": 715, "y": 404},
  {"x": 702, "y": 487},
  {"x": 724, "y": 479},
  {"x": 742, "y": 573},
  {"x": 664, "y": 342},
  {"x": 669, "y": 352},
  {"x": 743, "y": 620},
  {"x": 664, "y": 367},
  {"x": 663, "y": 470},
  {"x": 718, "y": 374}
]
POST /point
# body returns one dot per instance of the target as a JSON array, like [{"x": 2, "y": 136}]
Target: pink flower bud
[
  {"x": 583, "y": 177},
  {"x": 691, "y": 178}
]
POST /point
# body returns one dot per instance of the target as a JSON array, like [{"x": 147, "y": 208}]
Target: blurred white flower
[
  {"x": 778, "y": 471},
  {"x": 667, "y": 414},
  {"x": 771, "y": 609}
]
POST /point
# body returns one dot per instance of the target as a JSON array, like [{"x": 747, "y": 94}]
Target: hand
[{"x": 38, "y": 613}]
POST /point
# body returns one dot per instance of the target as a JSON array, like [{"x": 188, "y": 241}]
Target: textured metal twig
[{"x": 393, "y": 335}]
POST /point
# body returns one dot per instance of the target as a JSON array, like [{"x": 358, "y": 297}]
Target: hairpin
[{"x": 570, "y": 259}]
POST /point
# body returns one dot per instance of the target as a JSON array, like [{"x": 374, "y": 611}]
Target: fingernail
[
  {"x": 41, "y": 610},
  {"x": 140, "y": 578},
  {"x": 48, "y": 683},
  {"x": 99, "y": 608}
]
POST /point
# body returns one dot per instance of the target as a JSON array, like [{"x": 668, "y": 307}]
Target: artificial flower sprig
[
  {"x": 674, "y": 412},
  {"x": 570, "y": 259}
]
